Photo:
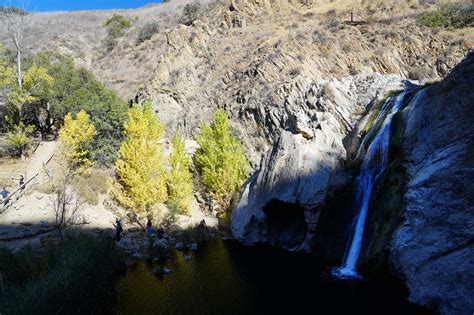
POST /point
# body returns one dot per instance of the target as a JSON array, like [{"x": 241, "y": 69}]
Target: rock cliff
[{"x": 433, "y": 248}]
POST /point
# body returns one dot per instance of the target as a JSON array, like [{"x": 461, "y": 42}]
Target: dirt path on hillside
[{"x": 44, "y": 152}]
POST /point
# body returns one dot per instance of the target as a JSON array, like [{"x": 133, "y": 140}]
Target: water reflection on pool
[{"x": 226, "y": 278}]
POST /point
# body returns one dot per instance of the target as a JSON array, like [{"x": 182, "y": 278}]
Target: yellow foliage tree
[
  {"x": 7, "y": 74},
  {"x": 221, "y": 159},
  {"x": 38, "y": 83},
  {"x": 77, "y": 136},
  {"x": 180, "y": 180},
  {"x": 140, "y": 171}
]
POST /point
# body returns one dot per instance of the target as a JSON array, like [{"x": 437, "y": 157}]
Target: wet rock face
[
  {"x": 301, "y": 166},
  {"x": 434, "y": 246}
]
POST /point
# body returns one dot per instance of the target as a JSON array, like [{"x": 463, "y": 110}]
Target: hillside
[
  {"x": 230, "y": 39},
  {"x": 347, "y": 112}
]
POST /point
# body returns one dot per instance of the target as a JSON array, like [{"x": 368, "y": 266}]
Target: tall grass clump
[{"x": 73, "y": 277}]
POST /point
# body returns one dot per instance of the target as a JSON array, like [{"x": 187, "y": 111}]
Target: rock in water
[{"x": 180, "y": 246}]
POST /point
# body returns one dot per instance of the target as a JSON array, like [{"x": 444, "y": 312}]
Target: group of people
[
  {"x": 5, "y": 194},
  {"x": 149, "y": 230}
]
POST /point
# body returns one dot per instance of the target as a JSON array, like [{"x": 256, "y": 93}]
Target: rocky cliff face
[
  {"x": 433, "y": 248},
  {"x": 296, "y": 174}
]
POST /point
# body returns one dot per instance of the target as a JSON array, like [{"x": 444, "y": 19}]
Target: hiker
[
  {"x": 149, "y": 229},
  {"x": 21, "y": 181},
  {"x": 118, "y": 229},
  {"x": 4, "y": 193},
  {"x": 202, "y": 224}
]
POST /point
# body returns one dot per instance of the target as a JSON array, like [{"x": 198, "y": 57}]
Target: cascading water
[{"x": 373, "y": 165}]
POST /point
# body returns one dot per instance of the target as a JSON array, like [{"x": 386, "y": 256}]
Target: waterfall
[{"x": 373, "y": 165}]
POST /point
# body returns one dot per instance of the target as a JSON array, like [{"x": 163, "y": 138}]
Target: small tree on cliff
[
  {"x": 77, "y": 136},
  {"x": 221, "y": 159},
  {"x": 141, "y": 179},
  {"x": 180, "y": 180}
]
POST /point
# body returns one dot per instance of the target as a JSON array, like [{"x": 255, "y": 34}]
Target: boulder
[{"x": 180, "y": 246}]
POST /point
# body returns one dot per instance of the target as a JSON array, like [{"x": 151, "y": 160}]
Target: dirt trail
[{"x": 44, "y": 152}]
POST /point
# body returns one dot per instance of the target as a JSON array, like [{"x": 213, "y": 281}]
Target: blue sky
[{"x": 63, "y": 5}]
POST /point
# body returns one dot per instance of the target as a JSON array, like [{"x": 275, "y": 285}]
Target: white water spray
[{"x": 373, "y": 165}]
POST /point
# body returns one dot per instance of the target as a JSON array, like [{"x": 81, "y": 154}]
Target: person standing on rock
[
  {"x": 118, "y": 229},
  {"x": 149, "y": 228}
]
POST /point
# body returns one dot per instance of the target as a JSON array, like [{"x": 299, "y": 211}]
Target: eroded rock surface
[
  {"x": 302, "y": 165},
  {"x": 434, "y": 247}
]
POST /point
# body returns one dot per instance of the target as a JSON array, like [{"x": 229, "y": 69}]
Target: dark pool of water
[{"x": 226, "y": 278}]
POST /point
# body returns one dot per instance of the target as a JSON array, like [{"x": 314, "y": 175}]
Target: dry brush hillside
[{"x": 248, "y": 56}]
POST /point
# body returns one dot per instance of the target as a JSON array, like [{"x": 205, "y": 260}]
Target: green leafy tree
[
  {"x": 76, "y": 89},
  {"x": 180, "y": 180},
  {"x": 221, "y": 159},
  {"x": 38, "y": 83},
  {"x": 141, "y": 178}
]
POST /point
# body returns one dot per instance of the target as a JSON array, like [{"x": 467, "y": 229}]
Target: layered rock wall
[{"x": 433, "y": 248}]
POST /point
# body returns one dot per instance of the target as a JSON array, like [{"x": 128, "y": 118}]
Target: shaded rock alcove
[{"x": 286, "y": 225}]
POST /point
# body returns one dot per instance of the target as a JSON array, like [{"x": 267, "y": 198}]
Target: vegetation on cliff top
[{"x": 455, "y": 15}]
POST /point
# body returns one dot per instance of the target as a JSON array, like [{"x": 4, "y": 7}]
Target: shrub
[
  {"x": 435, "y": 19},
  {"x": 75, "y": 277},
  {"x": 190, "y": 13},
  {"x": 454, "y": 15},
  {"x": 147, "y": 31},
  {"x": 221, "y": 159},
  {"x": 116, "y": 26},
  {"x": 18, "y": 138},
  {"x": 460, "y": 15}
]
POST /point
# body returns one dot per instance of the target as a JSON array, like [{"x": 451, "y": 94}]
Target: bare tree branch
[{"x": 66, "y": 204}]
